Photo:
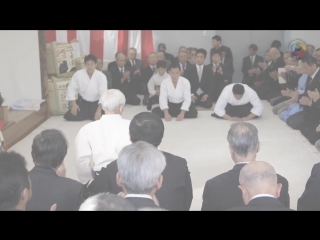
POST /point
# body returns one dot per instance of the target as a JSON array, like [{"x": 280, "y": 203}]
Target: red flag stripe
[
  {"x": 51, "y": 36},
  {"x": 123, "y": 38},
  {"x": 96, "y": 43},
  {"x": 146, "y": 45},
  {"x": 72, "y": 34}
]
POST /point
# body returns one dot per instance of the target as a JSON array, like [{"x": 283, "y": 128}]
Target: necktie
[
  {"x": 184, "y": 67},
  {"x": 152, "y": 68},
  {"x": 132, "y": 63},
  {"x": 121, "y": 71},
  {"x": 200, "y": 73},
  {"x": 252, "y": 61}
]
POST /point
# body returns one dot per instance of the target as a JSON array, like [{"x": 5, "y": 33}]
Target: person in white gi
[
  {"x": 175, "y": 97},
  {"x": 238, "y": 102},
  {"x": 98, "y": 143},
  {"x": 84, "y": 91}
]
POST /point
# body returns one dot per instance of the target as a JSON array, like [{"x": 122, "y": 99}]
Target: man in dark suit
[
  {"x": 192, "y": 56},
  {"x": 49, "y": 184},
  {"x": 228, "y": 65},
  {"x": 217, "y": 47},
  {"x": 310, "y": 198},
  {"x": 277, "y": 44},
  {"x": 162, "y": 47},
  {"x": 107, "y": 73},
  {"x": 307, "y": 120},
  {"x": 176, "y": 190},
  {"x": 185, "y": 65},
  {"x": 160, "y": 56},
  {"x": 147, "y": 73},
  {"x": 140, "y": 167},
  {"x": 222, "y": 192},
  {"x": 260, "y": 190},
  {"x": 200, "y": 78},
  {"x": 113, "y": 64},
  {"x": 136, "y": 66},
  {"x": 181, "y": 49},
  {"x": 317, "y": 56},
  {"x": 250, "y": 66},
  {"x": 124, "y": 80},
  {"x": 14, "y": 182}
]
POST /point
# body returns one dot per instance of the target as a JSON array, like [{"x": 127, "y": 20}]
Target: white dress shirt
[
  {"x": 262, "y": 195},
  {"x": 138, "y": 196},
  {"x": 89, "y": 89},
  {"x": 252, "y": 58},
  {"x": 100, "y": 142},
  {"x": 227, "y": 97},
  {"x": 155, "y": 81},
  {"x": 180, "y": 93}
]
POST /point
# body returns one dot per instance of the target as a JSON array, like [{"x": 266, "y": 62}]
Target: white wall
[
  {"x": 310, "y": 36},
  {"x": 19, "y": 66},
  {"x": 189, "y": 38}
]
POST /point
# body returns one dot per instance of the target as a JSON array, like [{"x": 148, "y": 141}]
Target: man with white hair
[
  {"x": 260, "y": 190},
  {"x": 100, "y": 142},
  {"x": 140, "y": 168},
  {"x": 106, "y": 202},
  {"x": 222, "y": 192}
]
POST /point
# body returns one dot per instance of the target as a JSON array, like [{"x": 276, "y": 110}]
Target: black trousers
[
  {"x": 153, "y": 100},
  {"x": 237, "y": 111},
  {"x": 205, "y": 104},
  {"x": 296, "y": 121},
  {"x": 308, "y": 129},
  {"x": 175, "y": 109},
  {"x": 87, "y": 111}
]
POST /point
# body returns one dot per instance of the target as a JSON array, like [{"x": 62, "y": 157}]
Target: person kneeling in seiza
[
  {"x": 175, "y": 97},
  {"x": 238, "y": 102}
]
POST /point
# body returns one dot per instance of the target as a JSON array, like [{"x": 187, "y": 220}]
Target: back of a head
[
  {"x": 243, "y": 138},
  {"x": 14, "y": 178},
  {"x": 276, "y": 44},
  {"x": 49, "y": 148},
  {"x": 238, "y": 89},
  {"x": 112, "y": 99},
  {"x": 147, "y": 127},
  {"x": 140, "y": 166},
  {"x": 257, "y": 177},
  {"x": 106, "y": 202}
]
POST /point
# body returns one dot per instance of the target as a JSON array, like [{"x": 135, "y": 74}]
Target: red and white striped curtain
[{"x": 105, "y": 43}]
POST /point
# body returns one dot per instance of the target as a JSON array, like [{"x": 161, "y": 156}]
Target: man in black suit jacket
[
  {"x": 222, "y": 192},
  {"x": 260, "y": 190},
  {"x": 49, "y": 186},
  {"x": 147, "y": 73},
  {"x": 228, "y": 65},
  {"x": 277, "y": 44},
  {"x": 181, "y": 49},
  {"x": 217, "y": 47},
  {"x": 310, "y": 198},
  {"x": 136, "y": 66},
  {"x": 162, "y": 47},
  {"x": 124, "y": 80},
  {"x": 176, "y": 190},
  {"x": 113, "y": 64},
  {"x": 200, "y": 79},
  {"x": 250, "y": 66}
]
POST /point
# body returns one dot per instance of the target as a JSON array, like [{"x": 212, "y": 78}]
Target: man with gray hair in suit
[
  {"x": 260, "y": 190},
  {"x": 140, "y": 167}
]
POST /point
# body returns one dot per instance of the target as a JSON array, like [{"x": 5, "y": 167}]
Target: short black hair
[
  {"x": 161, "y": 64},
  {"x": 217, "y": 37},
  {"x": 146, "y": 127},
  {"x": 276, "y": 44},
  {"x": 238, "y": 89},
  {"x": 90, "y": 57},
  {"x": 203, "y": 51},
  {"x": 194, "y": 49},
  {"x": 310, "y": 61},
  {"x": 189, "y": 49},
  {"x": 174, "y": 65},
  {"x": 254, "y": 47},
  {"x": 216, "y": 53},
  {"x": 49, "y": 148},
  {"x": 162, "y": 45},
  {"x": 14, "y": 178}
]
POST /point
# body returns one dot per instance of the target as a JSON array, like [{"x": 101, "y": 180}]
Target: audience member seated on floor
[
  {"x": 100, "y": 142},
  {"x": 135, "y": 64},
  {"x": 106, "y": 202},
  {"x": 217, "y": 47},
  {"x": 108, "y": 74},
  {"x": 317, "y": 56},
  {"x": 311, "y": 49},
  {"x": 168, "y": 56},
  {"x": 114, "y": 63},
  {"x": 160, "y": 57},
  {"x": 124, "y": 80},
  {"x": 183, "y": 62},
  {"x": 84, "y": 91},
  {"x": 228, "y": 65},
  {"x": 200, "y": 78},
  {"x": 307, "y": 120},
  {"x": 181, "y": 49},
  {"x": 260, "y": 190},
  {"x": 277, "y": 44},
  {"x": 140, "y": 167},
  {"x": 222, "y": 192},
  {"x": 147, "y": 73},
  {"x": 238, "y": 102},
  {"x": 175, "y": 97},
  {"x": 155, "y": 83},
  {"x": 288, "y": 108},
  {"x": 15, "y": 185},
  {"x": 176, "y": 191},
  {"x": 192, "y": 56},
  {"x": 250, "y": 67},
  {"x": 219, "y": 78},
  {"x": 48, "y": 181},
  {"x": 270, "y": 87},
  {"x": 310, "y": 198}
]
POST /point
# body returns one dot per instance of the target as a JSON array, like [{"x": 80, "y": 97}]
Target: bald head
[
  {"x": 121, "y": 59},
  {"x": 258, "y": 178},
  {"x": 274, "y": 53}
]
